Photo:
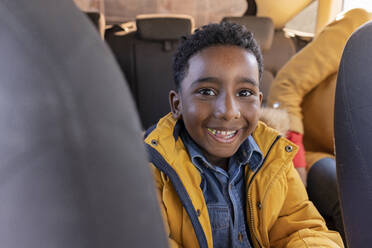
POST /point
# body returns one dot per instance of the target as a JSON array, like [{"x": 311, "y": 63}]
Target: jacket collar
[{"x": 167, "y": 131}]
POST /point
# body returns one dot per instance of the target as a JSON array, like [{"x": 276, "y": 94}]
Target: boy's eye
[
  {"x": 244, "y": 93},
  {"x": 206, "y": 92}
]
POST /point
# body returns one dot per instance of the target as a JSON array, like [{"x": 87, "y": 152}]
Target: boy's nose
[{"x": 227, "y": 108}]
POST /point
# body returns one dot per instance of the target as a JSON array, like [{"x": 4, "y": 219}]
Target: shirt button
[{"x": 240, "y": 237}]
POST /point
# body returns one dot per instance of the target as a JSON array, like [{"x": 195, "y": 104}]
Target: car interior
[{"x": 74, "y": 111}]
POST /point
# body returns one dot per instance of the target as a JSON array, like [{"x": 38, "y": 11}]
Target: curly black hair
[{"x": 224, "y": 33}]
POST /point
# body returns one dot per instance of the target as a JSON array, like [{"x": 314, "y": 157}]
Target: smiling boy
[{"x": 225, "y": 179}]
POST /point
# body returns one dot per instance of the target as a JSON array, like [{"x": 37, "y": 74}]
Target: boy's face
[{"x": 219, "y": 100}]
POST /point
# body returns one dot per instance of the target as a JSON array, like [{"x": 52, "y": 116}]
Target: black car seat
[
  {"x": 353, "y": 136},
  {"x": 263, "y": 31},
  {"x": 73, "y": 170},
  {"x": 146, "y": 56}
]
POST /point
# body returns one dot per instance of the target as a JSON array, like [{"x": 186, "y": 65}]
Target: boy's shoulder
[
  {"x": 164, "y": 135},
  {"x": 265, "y": 135},
  {"x": 165, "y": 125}
]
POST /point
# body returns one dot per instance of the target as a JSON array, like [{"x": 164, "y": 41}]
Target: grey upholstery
[
  {"x": 146, "y": 58},
  {"x": 353, "y": 136},
  {"x": 73, "y": 170}
]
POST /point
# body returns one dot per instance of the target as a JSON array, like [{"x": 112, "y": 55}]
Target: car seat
[
  {"x": 146, "y": 57},
  {"x": 73, "y": 171},
  {"x": 353, "y": 136}
]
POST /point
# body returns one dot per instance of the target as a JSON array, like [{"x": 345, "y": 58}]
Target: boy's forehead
[
  {"x": 220, "y": 54},
  {"x": 228, "y": 57}
]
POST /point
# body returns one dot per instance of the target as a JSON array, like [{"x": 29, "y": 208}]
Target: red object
[{"x": 299, "y": 160}]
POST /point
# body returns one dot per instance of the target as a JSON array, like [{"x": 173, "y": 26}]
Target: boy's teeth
[
  {"x": 224, "y": 133},
  {"x": 212, "y": 130}
]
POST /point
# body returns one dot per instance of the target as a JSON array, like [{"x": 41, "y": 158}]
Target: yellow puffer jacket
[
  {"x": 306, "y": 85},
  {"x": 279, "y": 212}
]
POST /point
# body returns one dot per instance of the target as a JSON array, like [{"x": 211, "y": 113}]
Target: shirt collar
[{"x": 248, "y": 153}]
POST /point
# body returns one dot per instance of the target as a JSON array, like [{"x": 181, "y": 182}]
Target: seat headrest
[
  {"x": 261, "y": 27},
  {"x": 164, "y": 27}
]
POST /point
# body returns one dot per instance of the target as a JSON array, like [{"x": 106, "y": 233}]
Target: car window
[
  {"x": 303, "y": 24},
  {"x": 351, "y": 4},
  {"x": 119, "y": 11}
]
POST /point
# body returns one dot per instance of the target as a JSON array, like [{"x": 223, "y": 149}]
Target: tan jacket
[
  {"x": 278, "y": 210},
  {"x": 306, "y": 85}
]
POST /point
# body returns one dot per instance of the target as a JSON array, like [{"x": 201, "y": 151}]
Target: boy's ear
[
  {"x": 175, "y": 104},
  {"x": 261, "y": 97}
]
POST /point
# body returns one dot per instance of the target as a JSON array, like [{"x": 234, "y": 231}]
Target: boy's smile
[{"x": 219, "y": 100}]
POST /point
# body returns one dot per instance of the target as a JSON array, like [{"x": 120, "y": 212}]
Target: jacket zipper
[
  {"x": 249, "y": 195},
  {"x": 162, "y": 165}
]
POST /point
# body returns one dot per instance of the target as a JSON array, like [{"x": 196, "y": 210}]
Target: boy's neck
[
  {"x": 221, "y": 162},
  {"x": 223, "y": 166}
]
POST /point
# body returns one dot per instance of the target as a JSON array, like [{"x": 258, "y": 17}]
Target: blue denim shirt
[{"x": 224, "y": 191}]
